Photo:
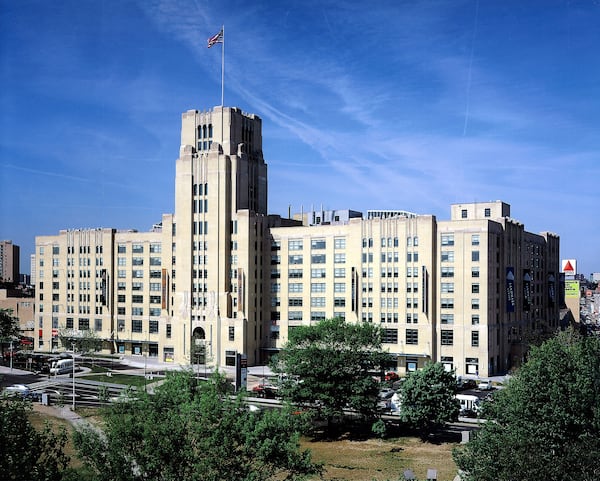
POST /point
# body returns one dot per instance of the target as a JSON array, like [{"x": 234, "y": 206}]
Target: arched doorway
[{"x": 199, "y": 346}]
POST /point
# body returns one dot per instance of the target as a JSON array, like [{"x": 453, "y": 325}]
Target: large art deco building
[{"x": 221, "y": 277}]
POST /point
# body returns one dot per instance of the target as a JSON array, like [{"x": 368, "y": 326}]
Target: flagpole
[{"x": 223, "y": 67}]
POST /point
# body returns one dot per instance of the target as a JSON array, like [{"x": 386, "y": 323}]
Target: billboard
[
  {"x": 568, "y": 266},
  {"x": 510, "y": 289},
  {"x": 571, "y": 289}
]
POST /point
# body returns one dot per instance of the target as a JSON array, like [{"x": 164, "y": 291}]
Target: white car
[
  {"x": 17, "y": 390},
  {"x": 485, "y": 385}
]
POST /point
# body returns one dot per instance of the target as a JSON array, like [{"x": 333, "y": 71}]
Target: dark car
[
  {"x": 463, "y": 384},
  {"x": 267, "y": 391}
]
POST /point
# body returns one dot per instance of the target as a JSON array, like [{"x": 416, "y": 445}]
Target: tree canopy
[
  {"x": 546, "y": 423},
  {"x": 26, "y": 452},
  {"x": 9, "y": 325},
  {"x": 194, "y": 432},
  {"x": 329, "y": 366},
  {"x": 428, "y": 398}
]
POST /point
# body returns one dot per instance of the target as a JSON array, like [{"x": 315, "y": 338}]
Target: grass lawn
[
  {"x": 125, "y": 379},
  {"x": 379, "y": 460}
]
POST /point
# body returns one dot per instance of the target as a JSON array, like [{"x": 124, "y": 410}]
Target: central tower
[{"x": 219, "y": 231}]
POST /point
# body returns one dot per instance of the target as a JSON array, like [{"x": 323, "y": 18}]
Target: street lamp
[{"x": 73, "y": 346}]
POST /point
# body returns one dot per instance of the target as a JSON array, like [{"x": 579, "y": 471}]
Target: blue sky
[{"x": 405, "y": 104}]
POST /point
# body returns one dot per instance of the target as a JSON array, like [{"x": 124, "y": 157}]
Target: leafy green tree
[
  {"x": 27, "y": 453},
  {"x": 9, "y": 327},
  {"x": 189, "y": 431},
  {"x": 546, "y": 423},
  {"x": 328, "y": 367},
  {"x": 85, "y": 341},
  {"x": 428, "y": 398}
]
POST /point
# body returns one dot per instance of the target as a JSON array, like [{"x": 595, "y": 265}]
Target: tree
[
  {"x": 190, "y": 431},
  {"x": 546, "y": 423},
  {"x": 428, "y": 398},
  {"x": 28, "y": 453},
  {"x": 329, "y": 366},
  {"x": 9, "y": 328},
  {"x": 85, "y": 340}
]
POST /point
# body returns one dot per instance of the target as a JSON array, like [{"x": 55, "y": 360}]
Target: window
[
  {"x": 447, "y": 303},
  {"x": 295, "y": 301},
  {"x": 295, "y": 287},
  {"x": 475, "y": 240},
  {"x": 317, "y": 302},
  {"x": 339, "y": 243},
  {"x": 155, "y": 248},
  {"x": 463, "y": 213},
  {"x": 317, "y": 273},
  {"x": 154, "y": 312},
  {"x": 447, "y": 271},
  {"x": 137, "y": 311},
  {"x": 447, "y": 239},
  {"x": 475, "y": 288},
  {"x": 474, "y": 303},
  {"x": 447, "y": 287},
  {"x": 318, "y": 244},
  {"x": 136, "y": 325},
  {"x": 137, "y": 274},
  {"x": 447, "y": 318},
  {"x": 475, "y": 256},
  {"x": 295, "y": 245},
  {"x": 153, "y": 327},
  {"x": 69, "y": 323},
  {"x": 317, "y": 259},
  {"x": 317, "y": 287},
  {"x": 412, "y": 336},
  {"x": 295, "y": 273},
  {"x": 447, "y": 256},
  {"x": 232, "y": 333},
  {"x": 97, "y": 325},
  {"x": 339, "y": 302},
  {"x": 155, "y": 261},
  {"x": 339, "y": 258},
  {"x": 294, "y": 315},
  {"x": 169, "y": 331},
  {"x": 447, "y": 337},
  {"x": 84, "y": 324},
  {"x": 474, "y": 271},
  {"x": 137, "y": 248},
  {"x": 487, "y": 212},
  {"x": 339, "y": 287},
  {"x": 137, "y": 299},
  {"x": 121, "y": 298},
  {"x": 475, "y": 338},
  {"x": 317, "y": 316},
  {"x": 155, "y": 286},
  {"x": 155, "y": 300},
  {"x": 295, "y": 259},
  {"x": 390, "y": 336},
  {"x": 475, "y": 319},
  {"x": 137, "y": 286}
]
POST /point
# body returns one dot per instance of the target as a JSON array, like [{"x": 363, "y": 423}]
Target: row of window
[
  {"x": 138, "y": 274},
  {"x": 448, "y": 256},
  {"x": 390, "y": 336},
  {"x": 136, "y": 248},
  {"x": 448, "y": 239}
]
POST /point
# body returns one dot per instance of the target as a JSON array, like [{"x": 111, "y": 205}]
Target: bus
[{"x": 61, "y": 366}]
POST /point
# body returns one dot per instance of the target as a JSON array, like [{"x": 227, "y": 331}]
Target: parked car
[
  {"x": 391, "y": 376},
  {"x": 462, "y": 384},
  {"x": 485, "y": 385},
  {"x": 267, "y": 391}
]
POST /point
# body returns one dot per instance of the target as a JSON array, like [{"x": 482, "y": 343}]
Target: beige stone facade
[{"x": 220, "y": 277}]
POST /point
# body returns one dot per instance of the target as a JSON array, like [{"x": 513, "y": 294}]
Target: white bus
[
  {"x": 469, "y": 404},
  {"x": 62, "y": 366}
]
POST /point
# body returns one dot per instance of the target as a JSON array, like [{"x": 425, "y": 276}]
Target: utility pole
[{"x": 73, "y": 346}]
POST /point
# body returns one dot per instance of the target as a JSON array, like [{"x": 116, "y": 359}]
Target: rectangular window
[
  {"x": 295, "y": 259},
  {"x": 390, "y": 336},
  {"x": 153, "y": 327},
  {"x": 412, "y": 336},
  {"x": 317, "y": 244},
  {"x": 295, "y": 273},
  {"x": 339, "y": 258},
  {"x": 155, "y": 261},
  {"x": 136, "y": 325},
  {"x": 474, "y": 303},
  {"x": 447, "y": 303},
  {"x": 122, "y": 261},
  {"x": 137, "y": 248},
  {"x": 475, "y": 288},
  {"x": 317, "y": 316},
  {"x": 295, "y": 287},
  {"x": 339, "y": 243},
  {"x": 475, "y": 256},
  {"x": 232, "y": 333},
  {"x": 295, "y": 245},
  {"x": 475, "y": 319},
  {"x": 475, "y": 338},
  {"x": 154, "y": 312},
  {"x": 169, "y": 331},
  {"x": 317, "y": 287},
  {"x": 317, "y": 259},
  {"x": 339, "y": 287},
  {"x": 295, "y": 302},
  {"x": 447, "y": 271},
  {"x": 474, "y": 271},
  {"x": 317, "y": 302},
  {"x": 155, "y": 248},
  {"x": 339, "y": 302},
  {"x": 447, "y": 256},
  {"x": 97, "y": 325},
  {"x": 137, "y": 311},
  {"x": 463, "y": 213},
  {"x": 447, "y": 318},
  {"x": 447, "y": 239},
  {"x": 84, "y": 324},
  {"x": 137, "y": 299},
  {"x": 447, "y": 337},
  {"x": 339, "y": 272},
  {"x": 447, "y": 287},
  {"x": 294, "y": 315},
  {"x": 487, "y": 212},
  {"x": 475, "y": 240},
  {"x": 317, "y": 273}
]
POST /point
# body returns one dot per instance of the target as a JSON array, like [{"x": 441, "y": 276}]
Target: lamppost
[
  {"x": 73, "y": 346},
  {"x": 11, "y": 355}
]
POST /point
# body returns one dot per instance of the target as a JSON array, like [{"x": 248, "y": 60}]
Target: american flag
[{"x": 218, "y": 38}]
